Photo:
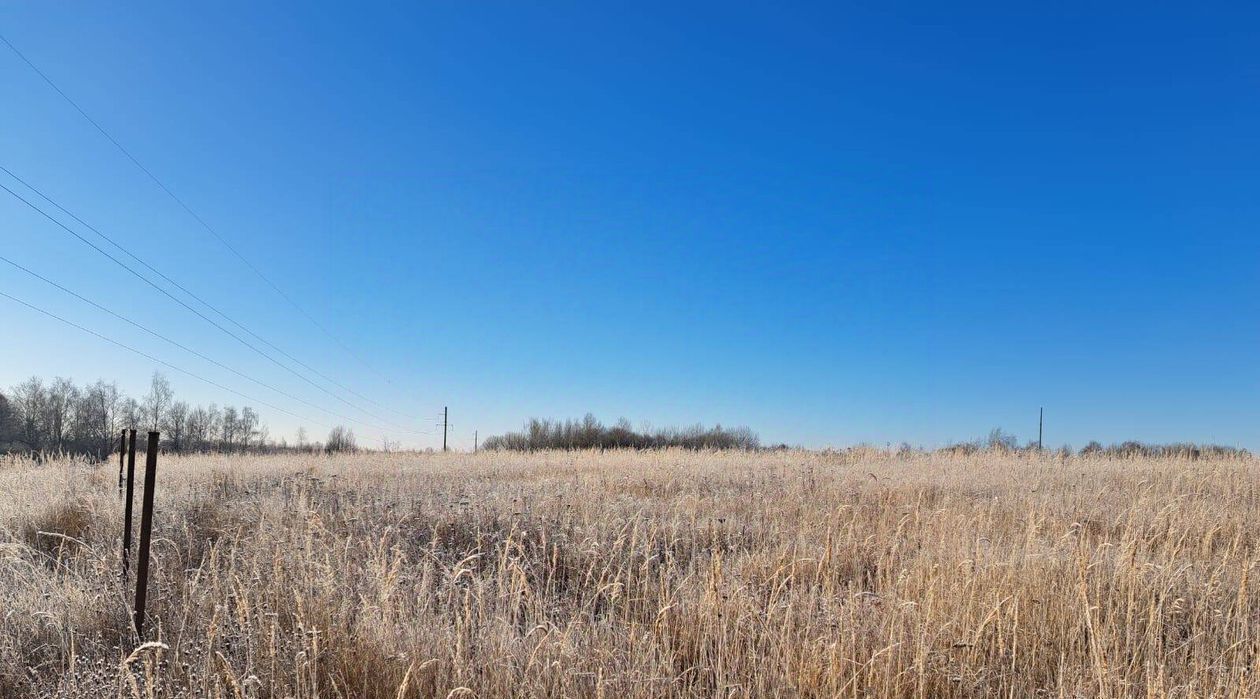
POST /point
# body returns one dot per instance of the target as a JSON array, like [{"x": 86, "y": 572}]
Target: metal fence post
[
  {"x": 146, "y": 528},
  {"x": 131, "y": 480},
  {"x": 122, "y": 457}
]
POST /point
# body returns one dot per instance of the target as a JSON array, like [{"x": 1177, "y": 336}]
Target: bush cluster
[{"x": 590, "y": 433}]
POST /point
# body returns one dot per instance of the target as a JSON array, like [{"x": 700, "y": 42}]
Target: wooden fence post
[{"x": 146, "y": 528}]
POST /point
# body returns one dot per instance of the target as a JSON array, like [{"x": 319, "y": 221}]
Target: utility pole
[
  {"x": 445, "y": 416},
  {"x": 1041, "y": 419},
  {"x": 474, "y": 441}
]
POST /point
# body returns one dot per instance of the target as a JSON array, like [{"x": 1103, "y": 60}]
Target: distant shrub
[
  {"x": 1134, "y": 449},
  {"x": 962, "y": 448},
  {"x": 341, "y": 439},
  {"x": 997, "y": 440},
  {"x": 1091, "y": 449},
  {"x": 1001, "y": 441},
  {"x": 590, "y": 433}
]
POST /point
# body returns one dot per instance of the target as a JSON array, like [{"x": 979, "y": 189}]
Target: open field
[{"x": 655, "y": 574}]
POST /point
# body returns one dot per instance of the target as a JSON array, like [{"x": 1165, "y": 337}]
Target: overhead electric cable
[
  {"x": 181, "y": 346},
  {"x": 194, "y": 296},
  {"x": 198, "y": 313},
  {"x": 150, "y": 357},
  {"x": 187, "y": 208}
]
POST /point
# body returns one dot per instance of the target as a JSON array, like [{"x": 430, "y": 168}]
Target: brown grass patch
[{"x": 672, "y": 574}]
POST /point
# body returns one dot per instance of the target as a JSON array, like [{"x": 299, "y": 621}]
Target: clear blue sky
[{"x": 833, "y": 223}]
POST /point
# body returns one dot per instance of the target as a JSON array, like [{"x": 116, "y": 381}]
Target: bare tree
[
  {"x": 341, "y": 439},
  {"x": 249, "y": 432},
  {"x": 8, "y": 424},
  {"x": 589, "y": 433},
  {"x": 37, "y": 417},
  {"x": 177, "y": 426},
  {"x": 214, "y": 426},
  {"x": 102, "y": 409},
  {"x": 228, "y": 428},
  {"x": 198, "y": 428},
  {"x": 158, "y": 401},
  {"x": 92, "y": 423},
  {"x": 132, "y": 414},
  {"x": 29, "y": 399},
  {"x": 59, "y": 412}
]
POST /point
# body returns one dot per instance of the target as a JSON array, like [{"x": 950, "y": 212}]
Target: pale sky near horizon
[{"x": 833, "y": 223}]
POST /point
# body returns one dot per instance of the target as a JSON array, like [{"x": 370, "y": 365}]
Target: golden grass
[{"x": 660, "y": 574}]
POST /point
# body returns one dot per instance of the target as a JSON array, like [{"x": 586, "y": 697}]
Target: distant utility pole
[
  {"x": 445, "y": 416},
  {"x": 1041, "y": 420},
  {"x": 474, "y": 441}
]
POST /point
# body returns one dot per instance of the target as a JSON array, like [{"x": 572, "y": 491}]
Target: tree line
[
  {"x": 39, "y": 417},
  {"x": 590, "y": 433},
  {"x": 1001, "y": 441}
]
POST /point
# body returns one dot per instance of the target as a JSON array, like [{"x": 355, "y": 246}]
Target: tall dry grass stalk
[{"x": 658, "y": 574}]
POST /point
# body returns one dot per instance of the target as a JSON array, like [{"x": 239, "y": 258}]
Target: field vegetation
[{"x": 671, "y": 573}]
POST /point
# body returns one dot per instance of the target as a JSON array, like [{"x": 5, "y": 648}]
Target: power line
[
  {"x": 181, "y": 346},
  {"x": 198, "y": 313},
  {"x": 150, "y": 357},
  {"x": 185, "y": 206},
  {"x": 194, "y": 296}
]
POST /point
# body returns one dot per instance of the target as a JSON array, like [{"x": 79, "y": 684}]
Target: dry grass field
[{"x": 657, "y": 574}]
